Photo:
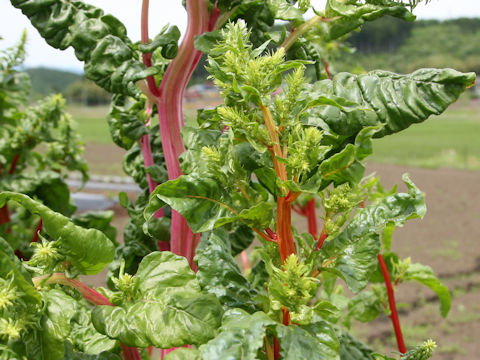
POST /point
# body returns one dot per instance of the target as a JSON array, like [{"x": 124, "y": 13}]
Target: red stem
[
  {"x": 310, "y": 210},
  {"x": 323, "y": 235},
  {"x": 276, "y": 348},
  {"x": 170, "y": 112},
  {"x": 286, "y": 246},
  {"x": 38, "y": 229},
  {"x": 393, "y": 307},
  {"x": 14, "y": 164}
]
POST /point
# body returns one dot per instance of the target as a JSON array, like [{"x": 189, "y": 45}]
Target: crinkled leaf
[
  {"x": 354, "y": 14},
  {"x": 219, "y": 274},
  {"x": 88, "y": 250},
  {"x": 355, "y": 249},
  {"x": 300, "y": 343},
  {"x": 184, "y": 354},
  {"x": 168, "y": 310},
  {"x": 180, "y": 319},
  {"x": 396, "y": 101},
  {"x": 166, "y": 40},
  {"x": 99, "y": 40},
  {"x": 164, "y": 273},
  {"x": 425, "y": 275},
  {"x": 240, "y": 336}
]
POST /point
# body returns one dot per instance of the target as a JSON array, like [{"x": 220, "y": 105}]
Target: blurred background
[{"x": 442, "y": 155}]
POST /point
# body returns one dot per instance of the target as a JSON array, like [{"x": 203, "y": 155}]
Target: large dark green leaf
[
  {"x": 396, "y": 101},
  {"x": 99, "y": 40},
  {"x": 219, "y": 274},
  {"x": 88, "y": 250},
  {"x": 240, "y": 336},
  {"x": 168, "y": 310},
  {"x": 355, "y": 249},
  {"x": 425, "y": 275}
]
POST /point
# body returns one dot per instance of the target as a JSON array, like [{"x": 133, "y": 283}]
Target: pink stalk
[
  {"x": 89, "y": 294},
  {"x": 145, "y": 140},
  {"x": 170, "y": 112}
]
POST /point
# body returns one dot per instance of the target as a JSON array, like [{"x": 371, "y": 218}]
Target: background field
[{"x": 447, "y": 141}]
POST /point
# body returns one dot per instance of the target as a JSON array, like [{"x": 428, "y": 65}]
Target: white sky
[{"x": 12, "y": 22}]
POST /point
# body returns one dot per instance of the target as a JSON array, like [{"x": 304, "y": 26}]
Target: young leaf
[
  {"x": 355, "y": 249},
  {"x": 184, "y": 354},
  {"x": 88, "y": 250},
  {"x": 425, "y": 275}
]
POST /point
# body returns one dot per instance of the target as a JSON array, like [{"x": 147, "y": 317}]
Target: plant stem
[
  {"x": 323, "y": 235},
  {"x": 170, "y": 112},
  {"x": 294, "y": 35},
  {"x": 14, "y": 164},
  {"x": 393, "y": 307},
  {"x": 89, "y": 294},
  {"x": 310, "y": 210},
  {"x": 38, "y": 229}
]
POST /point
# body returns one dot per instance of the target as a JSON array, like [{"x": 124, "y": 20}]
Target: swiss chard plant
[
  {"x": 227, "y": 184},
  {"x": 39, "y": 147}
]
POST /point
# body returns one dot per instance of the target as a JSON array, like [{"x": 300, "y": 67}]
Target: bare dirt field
[{"x": 447, "y": 239}]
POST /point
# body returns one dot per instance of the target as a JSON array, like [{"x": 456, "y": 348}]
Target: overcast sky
[{"x": 12, "y": 22}]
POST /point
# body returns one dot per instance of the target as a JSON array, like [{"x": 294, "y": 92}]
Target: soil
[{"x": 447, "y": 239}]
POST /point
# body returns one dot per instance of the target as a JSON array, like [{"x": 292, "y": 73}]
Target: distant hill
[
  {"x": 396, "y": 45},
  {"x": 46, "y": 81}
]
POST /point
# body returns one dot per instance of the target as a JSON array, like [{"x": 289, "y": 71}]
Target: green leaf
[
  {"x": 205, "y": 204},
  {"x": 10, "y": 265},
  {"x": 99, "y": 40},
  {"x": 354, "y": 14},
  {"x": 70, "y": 354},
  {"x": 396, "y": 101},
  {"x": 425, "y": 275},
  {"x": 88, "y": 250},
  {"x": 305, "y": 343},
  {"x": 240, "y": 336},
  {"x": 176, "y": 312},
  {"x": 343, "y": 167},
  {"x": 184, "y": 354},
  {"x": 164, "y": 273},
  {"x": 219, "y": 274},
  {"x": 55, "y": 323},
  {"x": 353, "y": 349},
  {"x": 355, "y": 249},
  {"x": 47, "y": 186},
  {"x": 166, "y": 40},
  {"x": 99, "y": 220}
]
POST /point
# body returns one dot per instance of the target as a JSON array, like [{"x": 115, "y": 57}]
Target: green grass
[
  {"x": 449, "y": 141},
  {"x": 92, "y": 123}
]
